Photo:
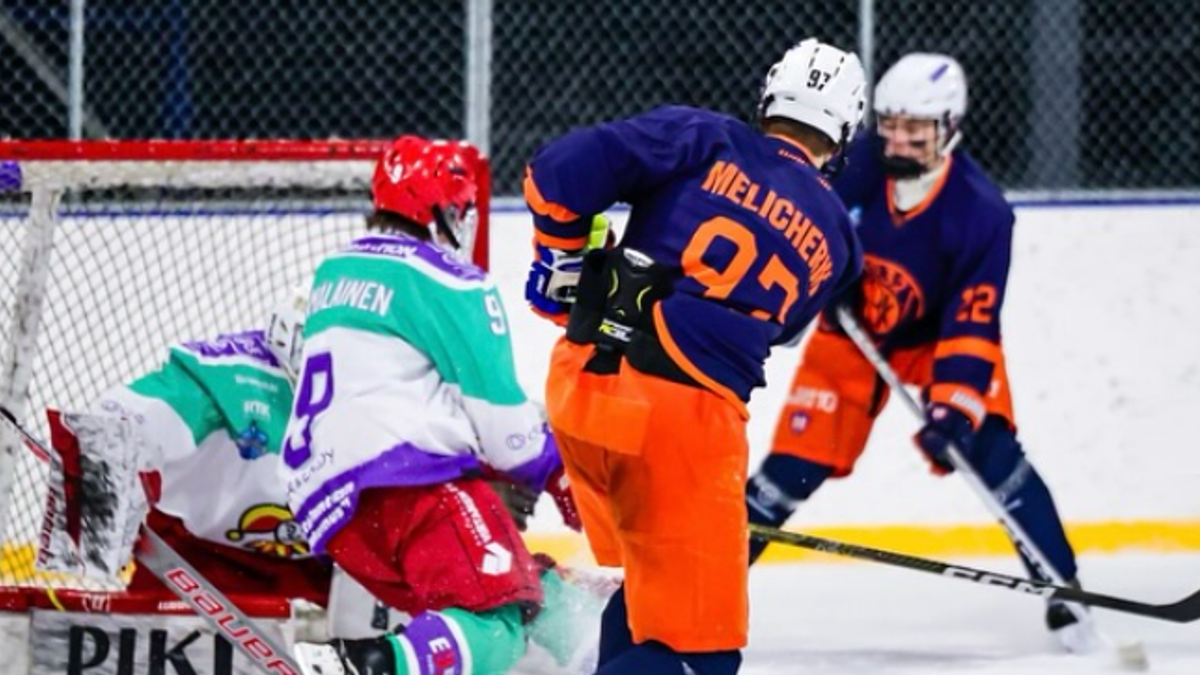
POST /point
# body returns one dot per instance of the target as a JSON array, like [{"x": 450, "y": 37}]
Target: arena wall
[{"x": 1100, "y": 329}]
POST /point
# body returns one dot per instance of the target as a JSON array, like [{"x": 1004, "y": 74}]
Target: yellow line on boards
[
  {"x": 941, "y": 541},
  {"x": 927, "y": 541}
]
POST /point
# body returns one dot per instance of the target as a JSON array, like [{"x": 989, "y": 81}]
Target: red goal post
[{"x": 27, "y": 165}]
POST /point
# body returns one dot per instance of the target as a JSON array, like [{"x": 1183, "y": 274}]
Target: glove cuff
[{"x": 961, "y": 398}]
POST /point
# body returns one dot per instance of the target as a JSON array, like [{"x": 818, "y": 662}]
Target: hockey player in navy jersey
[
  {"x": 734, "y": 243},
  {"x": 936, "y": 236}
]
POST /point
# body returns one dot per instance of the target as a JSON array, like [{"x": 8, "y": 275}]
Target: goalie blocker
[{"x": 98, "y": 494}]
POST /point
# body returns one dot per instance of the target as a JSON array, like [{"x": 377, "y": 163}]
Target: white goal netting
[{"x": 111, "y": 251}]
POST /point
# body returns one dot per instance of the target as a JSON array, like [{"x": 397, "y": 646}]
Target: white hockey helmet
[
  {"x": 818, "y": 85},
  {"x": 285, "y": 331},
  {"x": 926, "y": 86}
]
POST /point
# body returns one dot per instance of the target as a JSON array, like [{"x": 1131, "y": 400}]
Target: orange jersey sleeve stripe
[
  {"x": 980, "y": 348},
  {"x": 961, "y": 398},
  {"x": 685, "y": 364},
  {"x": 541, "y": 206},
  {"x": 561, "y": 243},
  {"x": 556, "y": 319}
]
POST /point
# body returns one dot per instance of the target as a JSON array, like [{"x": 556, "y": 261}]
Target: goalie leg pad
[
  {"x": 427, "y": 547},
  {"x": 1000, "y": 461},
  {"x": 236, "y": 571}
]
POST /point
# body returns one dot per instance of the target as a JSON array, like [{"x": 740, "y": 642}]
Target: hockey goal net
[{"x": 110, "y": 251}]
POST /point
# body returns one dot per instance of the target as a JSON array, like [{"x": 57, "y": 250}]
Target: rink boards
[{"x": 1099, "y": 334}]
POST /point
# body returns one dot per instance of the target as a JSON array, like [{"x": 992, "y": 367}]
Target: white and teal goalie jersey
[
  {"x": 408, "y": 379},
  {"x": 217, "y": 410}
]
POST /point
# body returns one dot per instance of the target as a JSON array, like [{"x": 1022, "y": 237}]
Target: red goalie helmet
[{"x": 432, "y": 184}]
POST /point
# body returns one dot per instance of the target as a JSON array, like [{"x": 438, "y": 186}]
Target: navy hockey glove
[
  {"x": 554, "y": 274},
  {"x": 553, "y": 278},
  {"x": 944, "y": 425}
]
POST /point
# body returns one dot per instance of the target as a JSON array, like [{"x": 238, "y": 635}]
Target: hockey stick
[
  {"x": 1130, "y": 655},
  {"x": 192, "y": 588},
  {"x": 1186, "y": 610},
  {"x": 208, "y": 602},
  {"x": 1017, "y": 533}
]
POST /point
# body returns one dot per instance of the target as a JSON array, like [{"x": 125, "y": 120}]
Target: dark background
[{"x": 1103, "y": 99}]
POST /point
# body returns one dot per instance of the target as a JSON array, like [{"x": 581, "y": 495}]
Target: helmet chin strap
[
  {"x": 950, "y": 143},
  {"x": 834, "y": 165}
]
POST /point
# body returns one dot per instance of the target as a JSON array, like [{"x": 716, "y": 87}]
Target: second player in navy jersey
[{"x": 936, "y": 236}]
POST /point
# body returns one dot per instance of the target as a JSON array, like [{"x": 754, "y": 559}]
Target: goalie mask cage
[{"x": 112, "y": 250}]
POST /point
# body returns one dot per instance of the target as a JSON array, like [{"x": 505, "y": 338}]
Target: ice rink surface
[{"x": 853, "y": 617}]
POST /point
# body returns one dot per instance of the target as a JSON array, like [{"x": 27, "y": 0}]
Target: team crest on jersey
[
  {"x": 890, "y": 295},
  {"x": 251, "y": 442},
  {"x": 269, "y": 529}
]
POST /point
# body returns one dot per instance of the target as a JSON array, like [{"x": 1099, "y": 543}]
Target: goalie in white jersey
[
  {"x": 407, "y": 396},
  {"x": 215, "y": 413}
]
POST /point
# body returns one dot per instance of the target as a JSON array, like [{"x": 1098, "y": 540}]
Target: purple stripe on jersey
[
  {"x": 939, "y": 72},
  {"x": 536, "y": 472},
  {"x": 251, "y": 343},
  {"x": 330, "y": 507},
  {"x": 404, "y": 246},
  {"x": 434, "y": 643}
]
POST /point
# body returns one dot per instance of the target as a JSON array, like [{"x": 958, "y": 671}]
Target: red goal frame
[{"x": 218, "y": 150}]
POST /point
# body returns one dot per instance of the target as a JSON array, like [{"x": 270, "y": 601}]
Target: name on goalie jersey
[{"x": 369, "y": 296}]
